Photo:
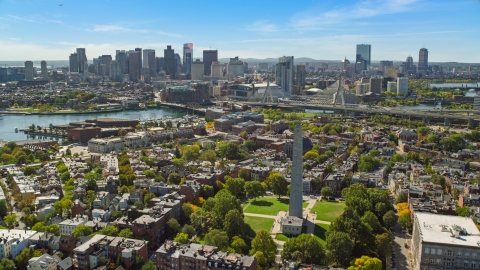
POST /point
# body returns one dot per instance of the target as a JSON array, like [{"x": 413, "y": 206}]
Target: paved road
[{"x": 401, "y": 253}]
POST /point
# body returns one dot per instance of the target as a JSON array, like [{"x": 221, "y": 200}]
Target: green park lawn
[
  {"x": 281, "y": 237},
  {"x": 328, "y": 211},
  {"x": 269, "y": 205},
  {"x": 255, "y": 224},
  {"x": 320, "y": 230}
]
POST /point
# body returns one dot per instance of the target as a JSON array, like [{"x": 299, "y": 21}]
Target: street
[{"x": 401, "y": 253}]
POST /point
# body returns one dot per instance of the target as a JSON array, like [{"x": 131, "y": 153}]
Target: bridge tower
[
  {"x": 340, "y": 92},
  {"x": 267, "y": 92}
]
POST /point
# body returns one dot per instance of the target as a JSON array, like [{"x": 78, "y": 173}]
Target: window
[
  {"x": 427, "y": 250},
  {"x": 474, "y": 255},
  {"x": 459, "y": 254},
  {"x": 474, "y": 264},
  {"x": 467, "y": 254},
  {"x": 432, "y": 251},
  {"x": 439, "y": 261}
]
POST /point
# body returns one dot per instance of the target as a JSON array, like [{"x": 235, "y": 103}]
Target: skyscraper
[
  {"x": 82, "y": 60},
  {"x": 140, "y": 55},
  {"x": 197, "y": 70},
  {"x": 402, "y": 86},
  {"x": 121, "y": 57},
  {"x": 134, "y": 66},
  {"x": 169, "y": 58},
  {"x": 73, "y": 62},
  {"x": 145, "y": 56},
  {"x": 28, "y": 71},
  {"x": 209, "y": 56},
  {"x": 364, "y": 52},
  {"x": 385, "y": 63},
  {"x": 296, "y": 186},
  {"x": 106, "y": 60},
  {"x": 187, "y": 57},
  {"x": 115, "y": 71},
  {"x": 422, "y": 60},
  {"x": 235, "y": 67},
  {"x": 301, "y": 73},
  {"x": 152, "y": 64},
  {"x": 43, "y": 69},
  {"x": 284, "y": 75}
]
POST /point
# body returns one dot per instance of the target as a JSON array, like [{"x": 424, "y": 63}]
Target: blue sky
[{"x": 327, "y": 29}]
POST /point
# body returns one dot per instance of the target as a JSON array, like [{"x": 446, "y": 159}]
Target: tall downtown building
[
  {"x": 422, "y": 60},
  {"x": 187, "y": 57},
  {"x": 169, "y": 61},
  {"x": 209, "y": 56},
  {"x": 145, "y": 56},
  {"x": 284, "y": 75},
  {"x": 43, "y": 69},
  {"x": 82, "y": 60},
  {"x": 364, "y": 54},
  {"x": 29, "y": 71}
]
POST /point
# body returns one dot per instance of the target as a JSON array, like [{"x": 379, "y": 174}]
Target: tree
[
  {"x": 109, "y": 231},
  {"x": 452, "y": 143},
  {"x": 371, "y": 220},
  {"x": 439, "y": 180},
  {"x": 244, "y": 174},
  {"x": 305, "y": 247},
  {"x": 209, "y": 155},
  {"x": 122, "y": 132},
  {"x": 173, "y": 227},
  {"x": 127, "y": 233},
  {"x": 116, "y": 215},
  {"x": 217, "y": 238},
  {"x": 148, "y": 197},
  {"x": 463, "y": 211},
  {"x": 279, "y": 185},
  {"x": 174, "y": 178},
  {"x": 423, "y": 131},
  {"x": 251, "y": 145},
  {"x": 384, "y": 245},
  {"x": 10, "y": 220},
  {"x": 190, "y": 152},
  {"x": 389, "y": 219},
  {"x": 402, "y": 197},
  {"x": 149, "y": 265},
  {"x": 29, "y": 170},
  {"x": 326, "y": 192},
  {"x": 223, "y": 202},
  {"x": 366, "y": 263},
  {"x": 231, "y": 151},
  {"x": 189, "y": 230},
  {"x": 149, "y": 174},
  {"x": 264, "y": 243},
  {"x": 235, "y": 186},
  {"x": 8, "y": 264},
  {"x": 234, "y": 224},
  {"x": 238, "y": 245},
  {"x": 181, "y": 238},
  {"x": 339, "y": 248},
  {"x": 3, "y": 208},
  {"x": 405, "y": 220},
  {"x": 208, "y": 191},
  {"x": 22, "y": 259},
  {"x": 82, "y": 230},
  {"x": 367, "y": 163},
  {"x": 254, "y": 189}
]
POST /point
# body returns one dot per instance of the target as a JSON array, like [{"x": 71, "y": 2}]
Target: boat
[{"x": 16, "y": 129}]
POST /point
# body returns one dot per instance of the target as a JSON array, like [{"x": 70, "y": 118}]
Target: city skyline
[{"x": 36, "y": 30}]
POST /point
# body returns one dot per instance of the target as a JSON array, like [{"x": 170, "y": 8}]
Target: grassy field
[
  {"x": 320, "y": 230},
  {"x": 328, "y": 211},
  {"x": 269, "y": 206},
  {"x": 255, "y": 224},
  {"x": 281, "y": 237}
]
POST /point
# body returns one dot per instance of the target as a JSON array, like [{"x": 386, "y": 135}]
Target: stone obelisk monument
[{"x": 296, "y": 185}]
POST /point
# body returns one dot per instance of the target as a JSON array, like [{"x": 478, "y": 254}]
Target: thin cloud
[
  {"x": 262, "y": 27},
  {"x": 18, "y": 18},
  {"x": 168, "y": 34},
  {"x": 120, "y": 29},
  {"x": 312, "y": 20}
]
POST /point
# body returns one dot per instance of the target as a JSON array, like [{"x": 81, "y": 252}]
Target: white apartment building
[
  {"x": 12, "y": 242},
  {"x": 444, "y": 242},
  {"x": 402, "y": 86},
  {"x": 44, "y": 262},
  {"x": 105, "y": 145},
  {"x": 67, "y": 226}
]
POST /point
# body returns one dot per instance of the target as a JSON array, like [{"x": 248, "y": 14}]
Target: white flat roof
[{"x": 431, "y": 231}]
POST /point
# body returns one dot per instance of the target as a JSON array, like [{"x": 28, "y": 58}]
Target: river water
[
  {"x": 8, "y": 122},
  {"x": 454, "y": 85}
]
